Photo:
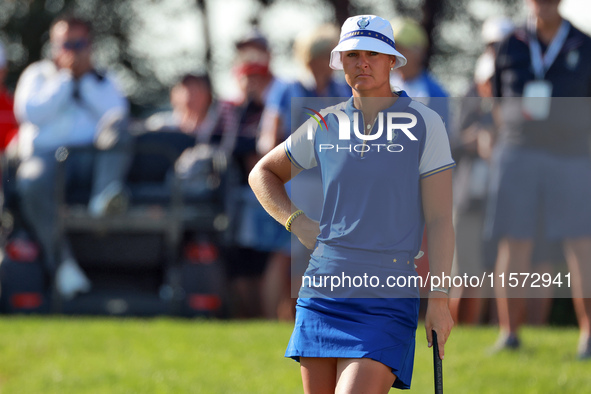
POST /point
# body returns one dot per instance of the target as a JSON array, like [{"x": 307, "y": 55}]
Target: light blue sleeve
[
  {"x": 39, "y": 97},
  {"x": 436, "y": 155},
  {"x": 299, "y": 146}
]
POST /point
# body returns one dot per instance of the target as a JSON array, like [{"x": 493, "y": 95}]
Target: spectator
[
  {"x": 538, "y": 168},
  {"x": 312, "y": 52},
  {"x": 184, "y": 140},
  {"x": 194, "y": 111},
  {"x": 412, "y": 41},
  {"x": 8, "y": 125},
  {"x": 190, "y": 101},
  {"x": 65, "y": 102},
  {"x": 494, "y": 30},
  {"x": 472, "y": 151},
  {"x": 251, "y": 69},
  {"x": 255, "y": 235}
]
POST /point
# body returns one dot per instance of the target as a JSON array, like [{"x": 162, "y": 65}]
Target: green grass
[{"x": 79, "y": 355}]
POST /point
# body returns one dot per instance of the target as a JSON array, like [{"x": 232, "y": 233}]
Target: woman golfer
[{"x": 380, "y": 189}]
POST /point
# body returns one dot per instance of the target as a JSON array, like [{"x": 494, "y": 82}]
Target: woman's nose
[{"x": 362, "y": 60}]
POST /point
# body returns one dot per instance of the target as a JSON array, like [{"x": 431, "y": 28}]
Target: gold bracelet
[{"x": 292, "y": 218}]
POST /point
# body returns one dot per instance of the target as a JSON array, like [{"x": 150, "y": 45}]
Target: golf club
[{"x": 437, "y": 366}]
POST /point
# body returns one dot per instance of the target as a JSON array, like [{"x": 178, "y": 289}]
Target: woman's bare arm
[
  {"x": 267, "y": 180},
  {"x": 437, "y": 207}
]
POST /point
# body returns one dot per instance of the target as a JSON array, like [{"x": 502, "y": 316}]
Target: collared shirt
[
  {"x": 372, "y": 201},
  {"x": 56, "y": 110}
]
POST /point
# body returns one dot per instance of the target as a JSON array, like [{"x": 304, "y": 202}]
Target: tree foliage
[{"x": 453, "y": 27}]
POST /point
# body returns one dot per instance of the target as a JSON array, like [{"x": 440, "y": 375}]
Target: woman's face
[{"x": 368, "y": 73}]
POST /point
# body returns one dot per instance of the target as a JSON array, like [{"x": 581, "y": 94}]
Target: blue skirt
[{"x": 382, "y": 329}]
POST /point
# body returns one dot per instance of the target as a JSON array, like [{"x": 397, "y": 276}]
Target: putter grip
[{"x": 437, "y": 366}]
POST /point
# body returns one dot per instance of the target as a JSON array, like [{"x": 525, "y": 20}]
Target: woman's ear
[{"x": 392, "y": 62}]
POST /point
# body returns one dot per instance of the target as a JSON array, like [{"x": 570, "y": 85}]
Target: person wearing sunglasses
[
  {"x": 63, "y": 102},
  {"x": 72, "y": 51}
]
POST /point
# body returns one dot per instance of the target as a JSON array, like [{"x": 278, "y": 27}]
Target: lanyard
[{"x": 541, "y": 64}]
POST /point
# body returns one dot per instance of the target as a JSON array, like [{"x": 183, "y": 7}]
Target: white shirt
[{"x": 49, "y": 114}]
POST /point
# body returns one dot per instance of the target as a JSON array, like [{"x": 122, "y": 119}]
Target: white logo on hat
[
  {"x": 356, "y": 35},
  {"x": 363, "y": 22}
]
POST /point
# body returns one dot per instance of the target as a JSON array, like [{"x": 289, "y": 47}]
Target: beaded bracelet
[{"x": 292, "y": 218}]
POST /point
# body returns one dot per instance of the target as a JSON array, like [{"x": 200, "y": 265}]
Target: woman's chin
[{"x": 363, "y": 86}]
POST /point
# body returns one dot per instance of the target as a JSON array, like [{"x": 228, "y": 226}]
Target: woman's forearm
[
  {"x": 270, "y": 191},
  {"x": 437, "y": 207},
  {"x": 267, "y": 179},
  {"x": 440, "y": 244}
]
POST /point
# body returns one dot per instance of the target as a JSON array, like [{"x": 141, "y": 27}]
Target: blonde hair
[{"x": 318, "y": 42}]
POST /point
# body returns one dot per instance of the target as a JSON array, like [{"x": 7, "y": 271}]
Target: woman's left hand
[{"x": 438, "y": 318}]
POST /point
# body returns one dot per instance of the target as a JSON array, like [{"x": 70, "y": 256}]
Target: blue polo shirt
[
  {"x": 372, "y": 194},
  {"x": 282, "y": 92},
  {"x": 425, "y": 86}
]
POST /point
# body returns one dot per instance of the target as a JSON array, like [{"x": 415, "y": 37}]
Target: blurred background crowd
[{"x": 91, "y": 92}]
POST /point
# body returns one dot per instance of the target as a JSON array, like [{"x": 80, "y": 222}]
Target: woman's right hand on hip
[{"x": 307, "y": 230}]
